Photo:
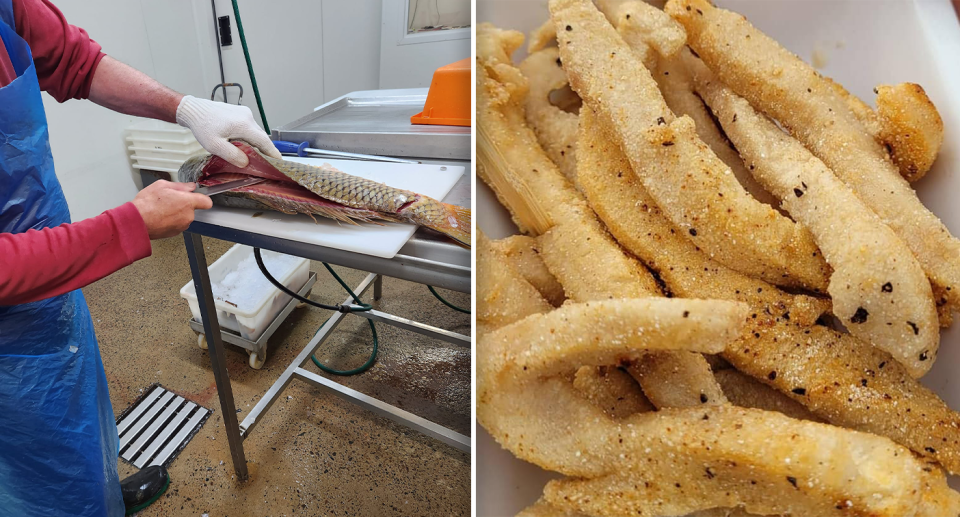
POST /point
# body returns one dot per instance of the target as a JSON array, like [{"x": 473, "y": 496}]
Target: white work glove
[{"x": 215, "y": 123}]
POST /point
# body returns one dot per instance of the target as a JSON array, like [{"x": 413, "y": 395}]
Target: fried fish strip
[
  {"x": 516, "y": 374},
  {"x": 853, "y": 385},
  {"x": 693, "y": 187},
  {"x": 613, "y": 331},
  {"x": 612, "y": 390},
  {"x": 636, "y": 221},
  {"x": 656, "y": 39},
  {"x": 544, "y": 509},
  {"x": 779, "y": 335},
  {"x": 583, "y": 257},
  {"x": 745, "y": 391},
  {"x": 878, "y": 288},
  {"x": 504, "y": 296},
  {"x": 911, "y": 128},
  {"x": 860, "y": 109},
  {"x": 522, "y": 252},
  {"x": 542, "y": 37},
  {"x": 681, "y": 461},
  {"x": 556, "y": 129},
  {"x": 677, "y": 88},
  {"x": 785, "y": 88},
  {"x": 683, "y": 372}
]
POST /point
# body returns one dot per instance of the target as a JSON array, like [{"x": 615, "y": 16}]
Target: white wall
[
  {"x": 351, "y": 51},
  {"x": 304, "y": 53},
  {"x": 408, "y": 61},
  {"x": 327, "y": 49},
  {"x": 88, "y": 149}
]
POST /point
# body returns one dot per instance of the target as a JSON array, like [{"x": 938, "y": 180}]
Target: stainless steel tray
[{"x": 364, "y": 122}]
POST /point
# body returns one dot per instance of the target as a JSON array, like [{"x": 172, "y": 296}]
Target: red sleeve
[
  {"x": 65, "y": 56},
  {"x": 46, "y": 263}
]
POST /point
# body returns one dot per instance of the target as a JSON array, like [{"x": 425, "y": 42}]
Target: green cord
[
  {"x": 448, "y": 304},
  {"x": 246, "y": 55}
]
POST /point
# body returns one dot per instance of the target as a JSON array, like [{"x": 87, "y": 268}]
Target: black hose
[{"x": 360, "y": 307}]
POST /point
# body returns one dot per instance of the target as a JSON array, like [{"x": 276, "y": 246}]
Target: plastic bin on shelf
[
  {"x": 162, "y": 163},
  {"x": 448, "y": 99},
  {"x": 149, "y": 152},
  {"x": 158, "y": 135},
  {"x": 266, "y": 304}
]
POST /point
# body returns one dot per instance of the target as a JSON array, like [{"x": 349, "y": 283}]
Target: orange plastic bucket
[{"x": 448, "y": 101}]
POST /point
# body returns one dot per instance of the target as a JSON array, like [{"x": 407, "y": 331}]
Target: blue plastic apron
[{"x": 58, "y": 439}]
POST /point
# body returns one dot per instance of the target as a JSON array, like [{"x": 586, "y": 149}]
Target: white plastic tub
[
  {"x": 246, "y": 302},
  {"x": 855, "y": 44}
]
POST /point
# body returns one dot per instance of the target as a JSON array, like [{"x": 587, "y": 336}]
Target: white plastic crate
[
  {"x": 153, "y": 163},
  {"x": 171, "y": 154},
  {"x": 158, "y": 135},
  {"x": 257, "y": 302}
]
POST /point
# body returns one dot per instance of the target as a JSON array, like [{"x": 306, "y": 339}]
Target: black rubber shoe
[{"x": 143, "y": 488}]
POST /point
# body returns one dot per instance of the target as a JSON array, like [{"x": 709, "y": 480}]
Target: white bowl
[{"x": 861, "y": 44}]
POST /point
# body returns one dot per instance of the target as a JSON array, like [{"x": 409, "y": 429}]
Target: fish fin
[{"x": 454, "y": 223}]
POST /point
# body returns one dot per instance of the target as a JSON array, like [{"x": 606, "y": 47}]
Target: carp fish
[{"x": 297, "y": 188}]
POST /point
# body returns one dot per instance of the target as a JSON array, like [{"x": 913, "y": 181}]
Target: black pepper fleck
[
  {"x": 772, "y": 375},
  {"x": 693, "y": 231},
  {"x": 667, "y": 144},
  {"x": 686, "y": 314},
  {"x": 792, "y": 480},
  {"x": 798, "y": 192},
  {"x": 913, "y": 325},
  {"x": 887, "y": 288},
  {"x": 800, "y": 391},
  {"x": 860, "y": 316},
  {"x": 569, "y": 28},
  {"x": 703, "y": 398},
  {"x": 923, "y": 355}
]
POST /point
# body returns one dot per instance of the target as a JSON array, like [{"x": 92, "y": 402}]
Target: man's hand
[
  {"x": 167, "y": 208},
  {"x": 215, "y": 123}
]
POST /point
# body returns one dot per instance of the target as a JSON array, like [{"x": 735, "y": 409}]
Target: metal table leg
[
  {"x": 211, "y": 327},
  {"x": 378, "y": 287}
]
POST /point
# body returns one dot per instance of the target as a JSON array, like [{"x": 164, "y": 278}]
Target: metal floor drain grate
[{"x": 158, "y": 426}]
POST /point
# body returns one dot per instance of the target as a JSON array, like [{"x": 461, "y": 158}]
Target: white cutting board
[{"x": 383, "y": 240}]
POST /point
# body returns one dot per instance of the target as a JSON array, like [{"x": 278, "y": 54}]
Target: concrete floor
[{"x": 313, "y": 454}]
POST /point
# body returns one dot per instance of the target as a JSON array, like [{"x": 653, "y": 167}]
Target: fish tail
[{"x": 453, "y": 221}]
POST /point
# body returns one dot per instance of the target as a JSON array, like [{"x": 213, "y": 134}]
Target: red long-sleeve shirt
[{"x": 41, "y": 264}]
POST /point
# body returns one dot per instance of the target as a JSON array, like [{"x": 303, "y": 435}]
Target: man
[{"x": 58, "y": 440}]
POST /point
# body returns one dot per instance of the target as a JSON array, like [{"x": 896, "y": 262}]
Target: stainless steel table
[{"x": 426, "y": 258}]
